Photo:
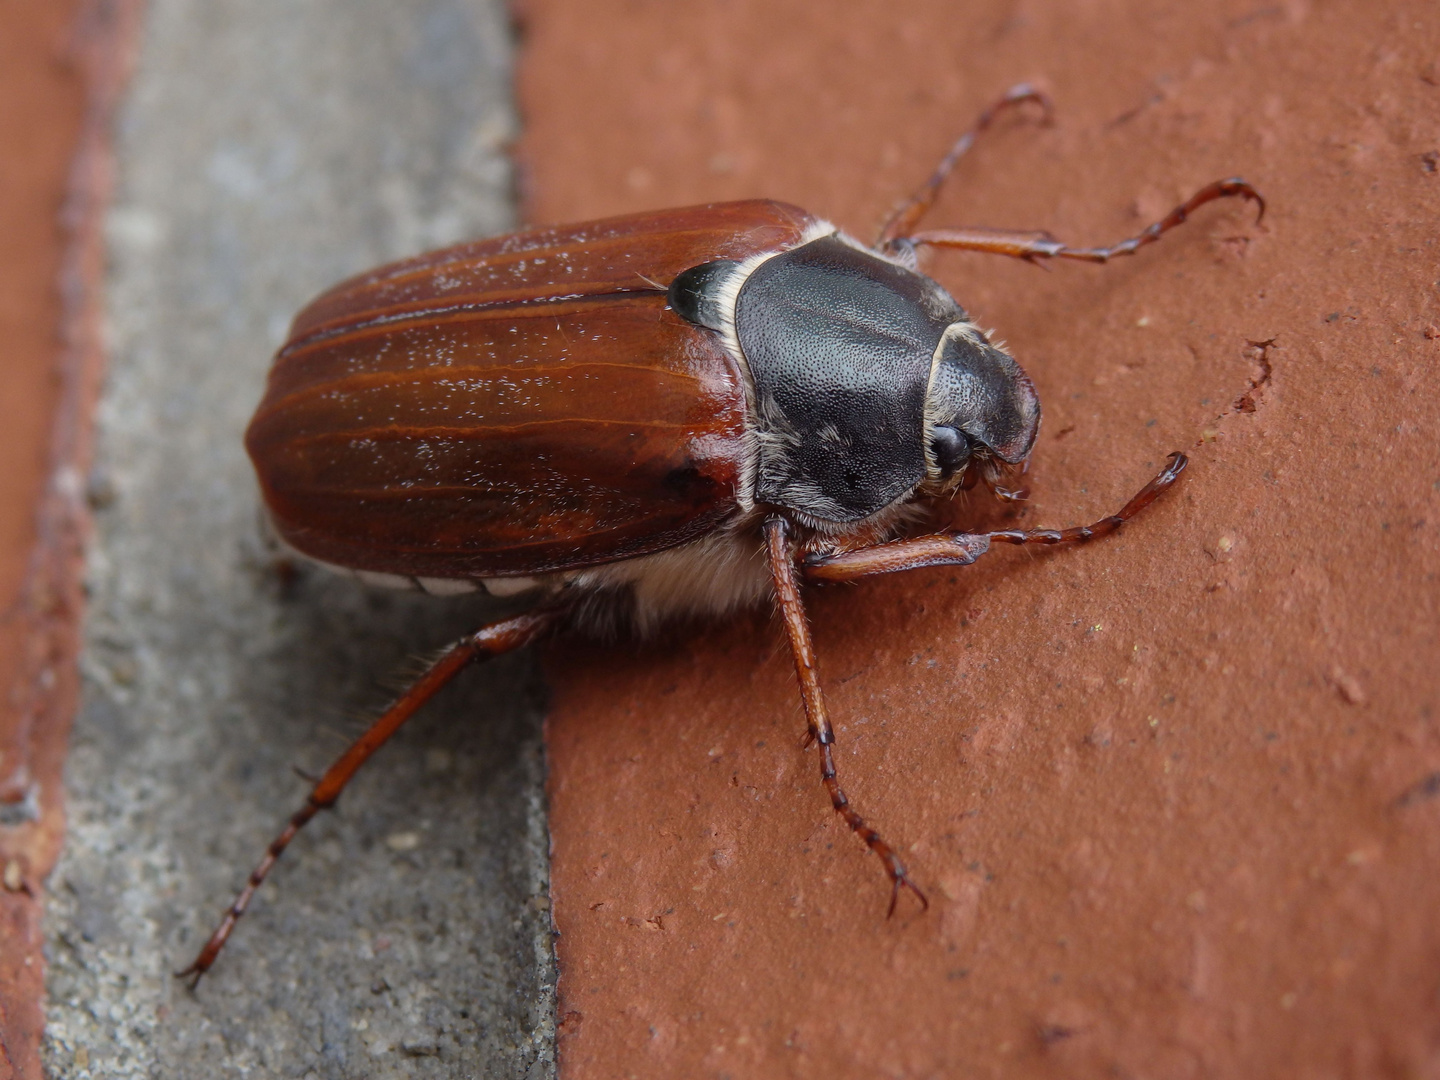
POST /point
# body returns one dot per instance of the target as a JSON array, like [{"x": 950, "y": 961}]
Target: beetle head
[{"x": 980, "y": 404}]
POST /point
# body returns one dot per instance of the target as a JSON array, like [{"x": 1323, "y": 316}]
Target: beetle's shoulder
[{"x": 629, "y": 253}]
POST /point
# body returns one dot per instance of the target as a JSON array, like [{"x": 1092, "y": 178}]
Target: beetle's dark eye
[
  {"x": 693, "y": 294},
  {"x": 951, "y": 450}
]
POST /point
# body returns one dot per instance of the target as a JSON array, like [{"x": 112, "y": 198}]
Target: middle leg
[{"x": 797, "y": 628}]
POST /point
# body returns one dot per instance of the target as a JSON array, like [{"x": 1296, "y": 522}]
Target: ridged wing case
[{"x": 514, "y": 406}]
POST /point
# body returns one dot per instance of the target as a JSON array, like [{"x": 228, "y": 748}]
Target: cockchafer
[{"x": 669, "y": 414}]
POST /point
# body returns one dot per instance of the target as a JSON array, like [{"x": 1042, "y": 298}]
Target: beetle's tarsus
[
  {"x": 1236, "y": 185},
  {"x": 898, "y": 879},
  {"x": 194, "y": 974}
]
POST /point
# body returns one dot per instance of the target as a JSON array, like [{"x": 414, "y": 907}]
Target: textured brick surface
[
  {"x": 1173, "y": 796},
  {"x": 51, "y": 61}
]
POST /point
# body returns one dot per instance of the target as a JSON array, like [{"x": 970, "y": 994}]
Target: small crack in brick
[{"x": 1258, "y": 353}]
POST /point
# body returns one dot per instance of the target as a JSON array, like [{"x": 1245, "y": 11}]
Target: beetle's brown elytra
[{"x": 677, "y": 413}]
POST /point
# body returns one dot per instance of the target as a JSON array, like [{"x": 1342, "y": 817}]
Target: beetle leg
[
  {"x": 797, "y": 628},
  {"x": 1033, "y": 246},
  {"x": 492, "y": 640},
  {"x": 962, "y": 549},
  {"x": 909, "y": 213}
]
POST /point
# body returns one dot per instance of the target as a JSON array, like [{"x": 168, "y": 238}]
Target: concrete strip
[{"x": 268, "y": 149}]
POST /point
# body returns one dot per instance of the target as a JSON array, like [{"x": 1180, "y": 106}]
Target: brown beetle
[{"x": 659, "y": 415}]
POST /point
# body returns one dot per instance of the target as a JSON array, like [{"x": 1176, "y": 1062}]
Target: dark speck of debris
[
  {"x": 1054, "y": 1033},
  {"x": 1427, "y": 788},
  {"x": 1430, "y": 161}
]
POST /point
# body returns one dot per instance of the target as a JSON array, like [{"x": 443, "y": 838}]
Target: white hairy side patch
[
  {"x": 717, "y": 575},
  {"x": 711, "y": 577}
]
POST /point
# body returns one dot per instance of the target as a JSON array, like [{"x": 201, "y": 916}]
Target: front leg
[{"x": 962, "y": 549}]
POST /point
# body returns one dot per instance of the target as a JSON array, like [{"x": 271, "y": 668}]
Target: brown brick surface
[
  {"x": 1174, "y": 796},
  {"x": 57, "y": 64}
]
